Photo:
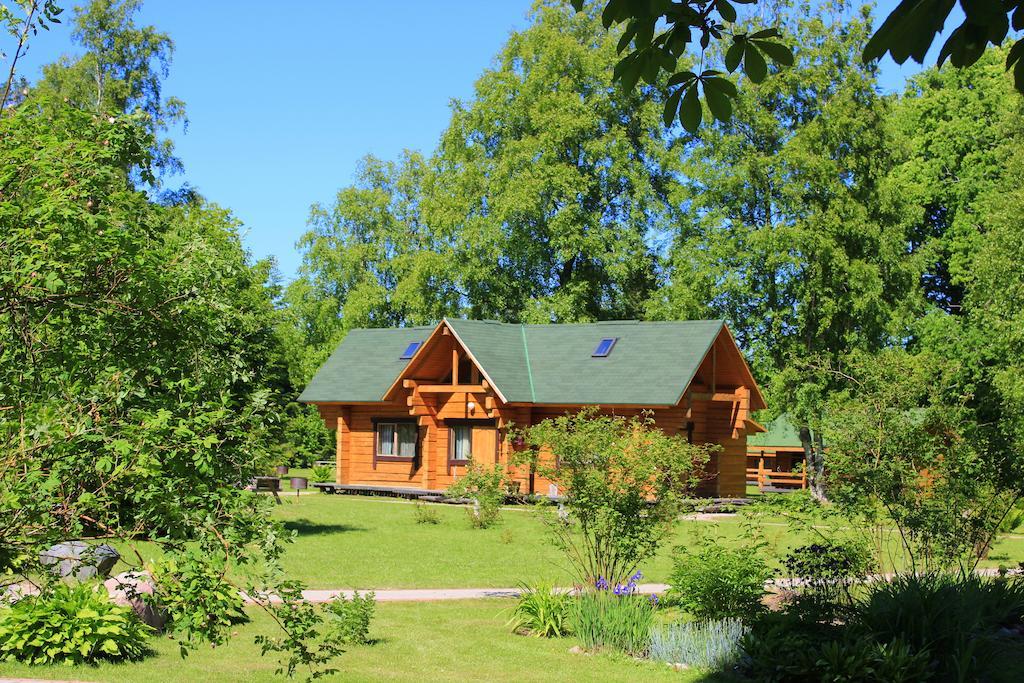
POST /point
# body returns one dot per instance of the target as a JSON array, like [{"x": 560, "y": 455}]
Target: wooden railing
[{"x": 766, "y": 478}]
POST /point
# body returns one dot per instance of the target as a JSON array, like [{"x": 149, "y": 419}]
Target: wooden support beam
[
  {"x": 455, "y": 366},
  {"x": 714, "y": 365},
  {"x": 409, "y": 383},
  {"x": 716, "y": 396},
  {"x": 451, "y": 388},
  {"x": 489, "y": 402},
  {"x": 485, "y": 384}
]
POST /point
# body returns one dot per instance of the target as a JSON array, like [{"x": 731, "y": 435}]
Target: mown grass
[
  {"x": 449, "y": 641},
  {"x": 363, "y": 542}
]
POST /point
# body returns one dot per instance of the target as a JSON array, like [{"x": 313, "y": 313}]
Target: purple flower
[
  {"x": 601, "y": 584},
  {"x": 636, "y": 577},
  {"x": 619, "y": 589},
  {"x": 653, "y": 599}
]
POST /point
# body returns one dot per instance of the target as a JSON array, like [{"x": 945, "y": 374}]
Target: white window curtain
[
  {"x": 407, "y": 434},
  {"x": 385, "y": 438},
  {"x": 463, "y": 442}
]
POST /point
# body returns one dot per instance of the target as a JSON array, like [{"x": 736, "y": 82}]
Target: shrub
[
  {"x": 618, "y": 620},
  {"x": 487, "y": 487},
  {"x": 624, "y": 482},
  {"x": 201, "y": 604},
  {"x": 711, "y": 645},
  {"x": 716, "y": 582},
  {"x": 71, "y": 625},
  {"x": 348, "y": 619},
  {"x": 827, "y": 571},
  {"x": 542, "y": 611},
  {"x": 322, "y": 473},
  {"x": 426, "y": 514}
]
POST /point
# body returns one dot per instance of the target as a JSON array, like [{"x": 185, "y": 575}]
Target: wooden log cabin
[{"x": 412, "y": 406}]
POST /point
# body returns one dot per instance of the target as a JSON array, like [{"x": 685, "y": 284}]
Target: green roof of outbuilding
[
  {"x": 780, "y": 432},
  {"x": 652, "y": 363},
  {"x": 363, "y": 366}
]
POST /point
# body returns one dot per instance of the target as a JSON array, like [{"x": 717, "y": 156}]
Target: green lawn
[
  {"x": 364, "y": 542},
  {"x": 449, "y": 641}
]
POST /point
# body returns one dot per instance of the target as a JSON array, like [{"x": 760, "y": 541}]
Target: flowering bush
[{"x": 615, "y": 618}]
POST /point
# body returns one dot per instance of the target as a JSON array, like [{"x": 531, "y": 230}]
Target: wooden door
[{"x": 485, "y": 445}]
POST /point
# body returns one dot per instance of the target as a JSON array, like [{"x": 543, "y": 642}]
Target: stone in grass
[
  {"x": 80, "y": 560},
  {"x": 129, "y": 588}
]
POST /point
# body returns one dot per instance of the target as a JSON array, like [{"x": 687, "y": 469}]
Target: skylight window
[
  {"x": 604, "y": 347},
  {"x": 410, "y": 350}
]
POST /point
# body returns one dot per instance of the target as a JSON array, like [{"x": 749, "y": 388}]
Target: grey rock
[{"x": 80, "y": 560}]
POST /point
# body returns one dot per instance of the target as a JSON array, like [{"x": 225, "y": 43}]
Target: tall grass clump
[
  {"x": 712, "y": 645},
  {"x": 542, "y": 611},
  {"x": 955, "y": 617}
]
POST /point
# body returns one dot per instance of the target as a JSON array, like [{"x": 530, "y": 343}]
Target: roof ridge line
[{"x": 529, "y": 370}]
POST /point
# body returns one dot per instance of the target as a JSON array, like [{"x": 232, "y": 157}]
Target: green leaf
[
  {"x": 765, "y": 33},
  {"x": 727, "y": 11},
  {"x": 779, "y": 53},
  {"x": 722, "y": 84},
  {"x": 672, "y": 106},
  {"x": 734, "y": 55},
  {"x": 719, "y": 103},
  {"x": 753, "y": 64},
  {"x": 690, "y": 112},
  {"x": 680, "y": 78}
]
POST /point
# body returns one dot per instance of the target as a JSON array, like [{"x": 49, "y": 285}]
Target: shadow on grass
[{"x": 307, "y": 527}]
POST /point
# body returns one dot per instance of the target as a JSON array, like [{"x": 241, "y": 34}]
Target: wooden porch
[{"x": 767, "y": 479}]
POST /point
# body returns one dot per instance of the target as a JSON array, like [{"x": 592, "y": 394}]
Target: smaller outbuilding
[{"x": 775, "y": 457}]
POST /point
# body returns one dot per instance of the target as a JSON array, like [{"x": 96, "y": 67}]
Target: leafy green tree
[
  {"x": 958, "y": 130},
  {"x": 38, "y": 14},
  {"x": 906, "y": 452},
  {"x": 792, "y": 233},
  {"x": 544, "y": 201},
  {"x": 658, "y": 35},
  {"x": 555, "y": 185},
  {"x": 139, "y": 375},
  {"x": 121, "y": 71}
]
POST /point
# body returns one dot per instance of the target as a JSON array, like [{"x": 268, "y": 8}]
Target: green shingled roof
[
  {"x": 780, "y": 432},
  {"x": 363, "y": 366},
  {"x": 652, "y": 362}
]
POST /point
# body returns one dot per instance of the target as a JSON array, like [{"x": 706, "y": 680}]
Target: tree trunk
[{"x": 814, "y": 462}]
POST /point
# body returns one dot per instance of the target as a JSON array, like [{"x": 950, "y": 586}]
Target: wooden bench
[{"x": 268, "y": 485}]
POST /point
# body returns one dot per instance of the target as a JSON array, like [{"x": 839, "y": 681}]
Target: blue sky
[{"x": 282, "y": 105}]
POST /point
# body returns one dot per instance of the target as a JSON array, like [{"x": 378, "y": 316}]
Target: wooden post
[
  {"x": 760, "y": 472},
  {"x": 343, "y": 428},
  {"x": 455, "y": 366},
  {"x": 714, "y": 366}
]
